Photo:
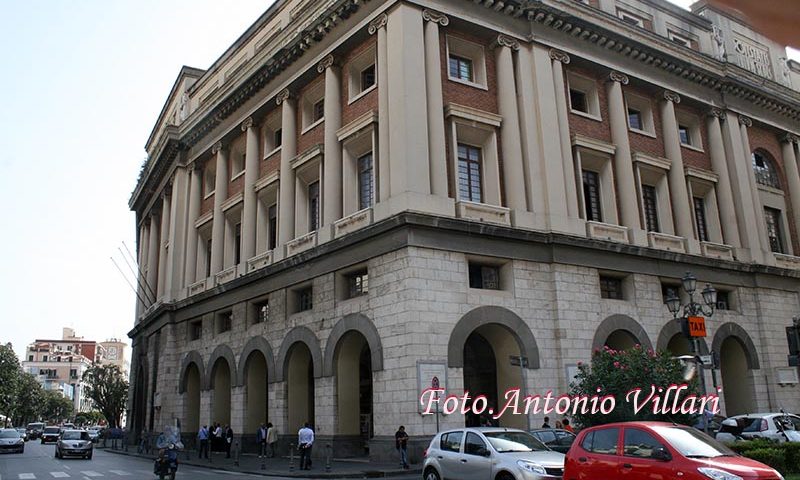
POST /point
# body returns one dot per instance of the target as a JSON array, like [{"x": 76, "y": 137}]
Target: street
[{"x": 38, "y": 462}]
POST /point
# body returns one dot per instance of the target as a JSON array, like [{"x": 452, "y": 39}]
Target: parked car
[
  {"x": 637, "y": 450},
  {"x": 490, "y": 453},
  {"x": 50, "y": 434},
  {"x": 74, "y": 443},
  {"x": 22, "y": 433},
  {"x": 778, "y": 427},
  {"x": 11, "y": 441},
  {"x": 555, "y": 438},
  {"x": 35, "y": 430},
  {"x": 94, "y": 434}
]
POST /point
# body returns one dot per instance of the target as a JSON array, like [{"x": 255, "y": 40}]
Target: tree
[
  {"x": 55, "y": 406},
  {"x": 617, "y": 372},
  {"x": 29, "y": 400},
  {"x": 108, "y": 389},
  {"x": 9, "y": 380}
]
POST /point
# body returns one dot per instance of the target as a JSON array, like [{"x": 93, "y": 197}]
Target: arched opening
[
  {"x": 621, "y": 340},
  {"x": 488, "y": 371},
  {"x": 737, "y": 384},
  {"x": 191, "y": 400},
  {"x": 765, "y": 170},
  {"x": 221, "y": 387},
  {"x": 256, "y": 398},
  {"x": 300, "y": 386},
  {"x": 353, "y": 361},
  {"x": 679, "y": 345}
]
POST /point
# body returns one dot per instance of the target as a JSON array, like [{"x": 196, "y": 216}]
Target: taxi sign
[{"x": 697, "y": 327}]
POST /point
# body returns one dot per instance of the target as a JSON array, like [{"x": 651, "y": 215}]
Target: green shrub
[
  {"x": 792, "y": 451},
  {"x": 774, "y": 457}
]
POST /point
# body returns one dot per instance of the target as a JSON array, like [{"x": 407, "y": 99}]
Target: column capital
[
  {"x": 620, "y": 77},
  {"x": 559, "y": 56},
  {"x": 505, "y": 41},
  {"x": 717, "y": 112},
  {"x": 671, "y": 96},
  {"x": 247, "y": 124},
  {"x": 283, "y": 96},
  {"x": 746, "y": 121},
  {"x": 435, "y": 17},
  {"x": 325, "y": 63},
  {"x": 378, "y": 23},
  {"x": 789, "y": 137},
  {"x": 194, "y": 166},
  {"x": 216, "y": 148}
]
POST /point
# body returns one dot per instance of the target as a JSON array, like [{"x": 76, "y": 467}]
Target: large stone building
[{"x": 361, "y": 195}]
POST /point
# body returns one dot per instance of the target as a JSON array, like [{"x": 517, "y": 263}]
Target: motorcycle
[{"x": 166, "y": 464}]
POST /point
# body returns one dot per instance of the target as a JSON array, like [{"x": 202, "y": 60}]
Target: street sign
[
  {"x": 518, "y": 361},
  {"x": 705, "y": 359},
  {"x": 697, "y": 327}
]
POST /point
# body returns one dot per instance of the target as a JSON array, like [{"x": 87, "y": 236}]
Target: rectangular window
[
  {"x": 273, "y": 227},
  {"x": 686, "y": 138},
  {"x": 262, "y": 312},
  {"x": 365, "y": 181},
  {"x": 30, "y": 358},
  {"x": 484, "y": 276},
  {"x": 368, "y": 77},
  {"x": 578, "y": 100},
  {"x": 319, "y": 110},
  {"x": 679, "y": 39},
  {"x": 723, "y": 300},
  {"x": 224, "y": 322},
  {"x": 630, "y": 18},
  {"x": 196, "y": 330},
  {"x": 73, "y": 373},
  {"x": 611, "y": 287},
  {"x": 44, "y": 358},
  {"x": 305, "y": 299},
  {"x": 208, "y": 257},
  {"x": 237, "y": 243},
  {"x": 461, "y": 68},
  {"x": 469, "y": 173},
  {"x": 277, "y": 138},
  {"x": 635, "y": 119},
  {"x": 773, "y": 218},
  {"x": 700, "y": 218},
  {"x": 650, "y": 208},
  {"x": 357, "y": 284},
  {"x": 313, "y": 207},
  {"x": 591, "y": 196},
  {"x": 668, "y": 291}
]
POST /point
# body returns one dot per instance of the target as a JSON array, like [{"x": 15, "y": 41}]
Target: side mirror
[{"x": 661, "y": 453}]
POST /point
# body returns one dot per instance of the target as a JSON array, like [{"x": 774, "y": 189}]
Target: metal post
[
  {"x": 291, "y": 457},
  {"x": 264, "y": 461},
  {"x": 236, "y": 455},
  {"x": 328, "y": 455}
]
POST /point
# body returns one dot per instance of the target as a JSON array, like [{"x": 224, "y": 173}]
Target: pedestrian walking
[
  {"x": 272, "y": 439},
  {"x": 228, "y": 440},
  {"x": 202, "y": 435},
  {"x": 261, "y": 440},
  {"x": 401, "y": 444},
  {"x": 546, "y": 423},
  {"x": 305, "y": 440}
]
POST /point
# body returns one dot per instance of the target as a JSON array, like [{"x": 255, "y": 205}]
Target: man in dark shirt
[
  {"x": 401, "y": 444},
  {"x": 546, "y": 423}
]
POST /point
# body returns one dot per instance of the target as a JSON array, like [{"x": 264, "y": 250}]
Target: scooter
[{"x": 166, "y": 464}]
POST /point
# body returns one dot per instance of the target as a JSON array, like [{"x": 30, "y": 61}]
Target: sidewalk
[{"x": 279, "y": 467}]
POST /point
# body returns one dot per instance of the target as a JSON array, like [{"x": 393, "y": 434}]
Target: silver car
[
  {"x": 490, "y": 453},
  {"x": 11, "y": 441},
  {"x": 778, "y": 427},
  {"x": 74, "y": 443}
]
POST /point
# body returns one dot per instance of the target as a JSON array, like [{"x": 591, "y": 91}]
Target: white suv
[{"x": 490, "y": 453}]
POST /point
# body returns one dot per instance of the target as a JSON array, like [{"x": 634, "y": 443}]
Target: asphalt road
[{"x": 38, "y": 462}]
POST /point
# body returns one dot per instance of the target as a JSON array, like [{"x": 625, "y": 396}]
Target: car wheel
[
  {"x": 505, "y": 476},
  {"x": 89, "y": 456},
  {"x": 56, "y": 455},
  {"x": 431, "y": 474}
]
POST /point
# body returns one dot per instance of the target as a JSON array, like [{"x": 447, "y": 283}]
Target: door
[
  {"x": 637, "y": 461},
  {"x": 475, "y": 462},
  {"x": 449, "y": 454},
  {"x": 598, "y": 456}
]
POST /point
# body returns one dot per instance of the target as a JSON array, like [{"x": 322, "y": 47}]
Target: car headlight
[
  {"x": 718, "y": 474},
  {"x": 531, "y": 467}
]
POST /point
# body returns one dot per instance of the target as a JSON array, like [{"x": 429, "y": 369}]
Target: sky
[{"x": 82, "y": 85}]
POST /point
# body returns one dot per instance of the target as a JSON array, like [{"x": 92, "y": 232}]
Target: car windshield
[
  {"x": 75, "y": 436},
  {"x": 514, "y": 442},
  {"x": 9, "y": 434},
  {"x": 692, "y": 443},
  {"x": 52, "y": 430},
  {"x": 32, "y": 426}
]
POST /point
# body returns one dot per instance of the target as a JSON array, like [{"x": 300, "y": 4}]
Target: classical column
[
  {"x": 679, "y": 194},
  {"x": 623, "y": 164},
  {"x": 379, "y": 25},
  {"x": 788, "y": 142},
  {"x": 570, "y": 187},
  {"x": 195, "y": 194},
  {"x": 744, "y": 124},
  {"x": 332, "y": 163},
  {"x": 716, "y": 150},
  {"x": 510, "y": 140},
  {"x": 163, "y": 242},
  {"x": 177, "y": 232},
  {"x": 141, "y": 288},
  {"x": 287, "y": 176},
  {"x": 250, "y": 199},
  {"x": 152, "y": 258},
  {"x": 433, "y": 83},
  {"x": 220, "y": 195}
]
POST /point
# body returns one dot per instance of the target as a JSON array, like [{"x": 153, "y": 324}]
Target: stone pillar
[
  {"x": 379, "y": 25},
  {"x": 510, "y": 141},
  {"x": 177, "y": 233},
  {"x": 716, "y": 150},
  {"x": 325, "y": 406},
  {"x": 218, "y": 222},
  {"x": 249, "y": 207},
  {"x": 141, "y": 288},
  {"x": 238, "y": 407},
  {"x": 152, "y": 258},
  {"x": 623, "y": 165},
  {"x": 287, "y": 176},
  {"x": 679, "y": 194},
  {"x": 788, "y": 142},
  {"x": 433, "y": 83},
  {"x": 332, "y": 163},
  {"x": 206, "y": 407},
  {"x": 163, "y": 242},
  {"x": 761, "y": 224},
  {"x": 570, "y": 186},
  {"x": 195, "y": 197},
  {"x": 530, "y": 126}
]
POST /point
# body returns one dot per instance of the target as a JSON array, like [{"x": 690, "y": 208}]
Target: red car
[{"x": 657, "y": 450}]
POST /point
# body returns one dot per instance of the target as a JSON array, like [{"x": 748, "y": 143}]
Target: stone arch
[
  {"x": 363, "y": 325},
  {"x": 491, "y": 315},
  {"x": 731, "y": 329},
  {"x": 620, "y": 322},
  {"x": 260, "y": 344},
  {"x": 302, "y": 335},
  {"x": 192, "y": 357},
  {"x": 222, "y": 351},
  {"x": 672, "y": 328}
]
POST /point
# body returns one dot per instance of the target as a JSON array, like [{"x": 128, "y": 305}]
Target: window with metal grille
[
  {"x": 273, "y": 226},
  {"x": 611, "y": 287},
  {"x": 365, "y": 181},
  {"x": 305, "y": 299},
  {"x": 766, "y": 173},
  {"x": 368, "y": 77},
  {"x": 237, "y": 243},
  {"x": 319, "y": 110},
  {"x": 635, "y": 119},
  {"x": 591, "y": 196},
  {"x": 313, "y": 207},
  {"x": 484, "y": 276},
  {"x": 461, "y": 68},
  {"x": 357, "y": 284},
  {"x": 700, "y": 219},
  {"x": 650, "y": 207},
  {"x": 261, "y": 312},
  {"x": 469, "y": 173},
  {"x": 773, "y": 218}
]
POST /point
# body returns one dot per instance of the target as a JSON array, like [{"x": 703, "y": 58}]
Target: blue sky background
[{"x": 82, "y": 84}]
